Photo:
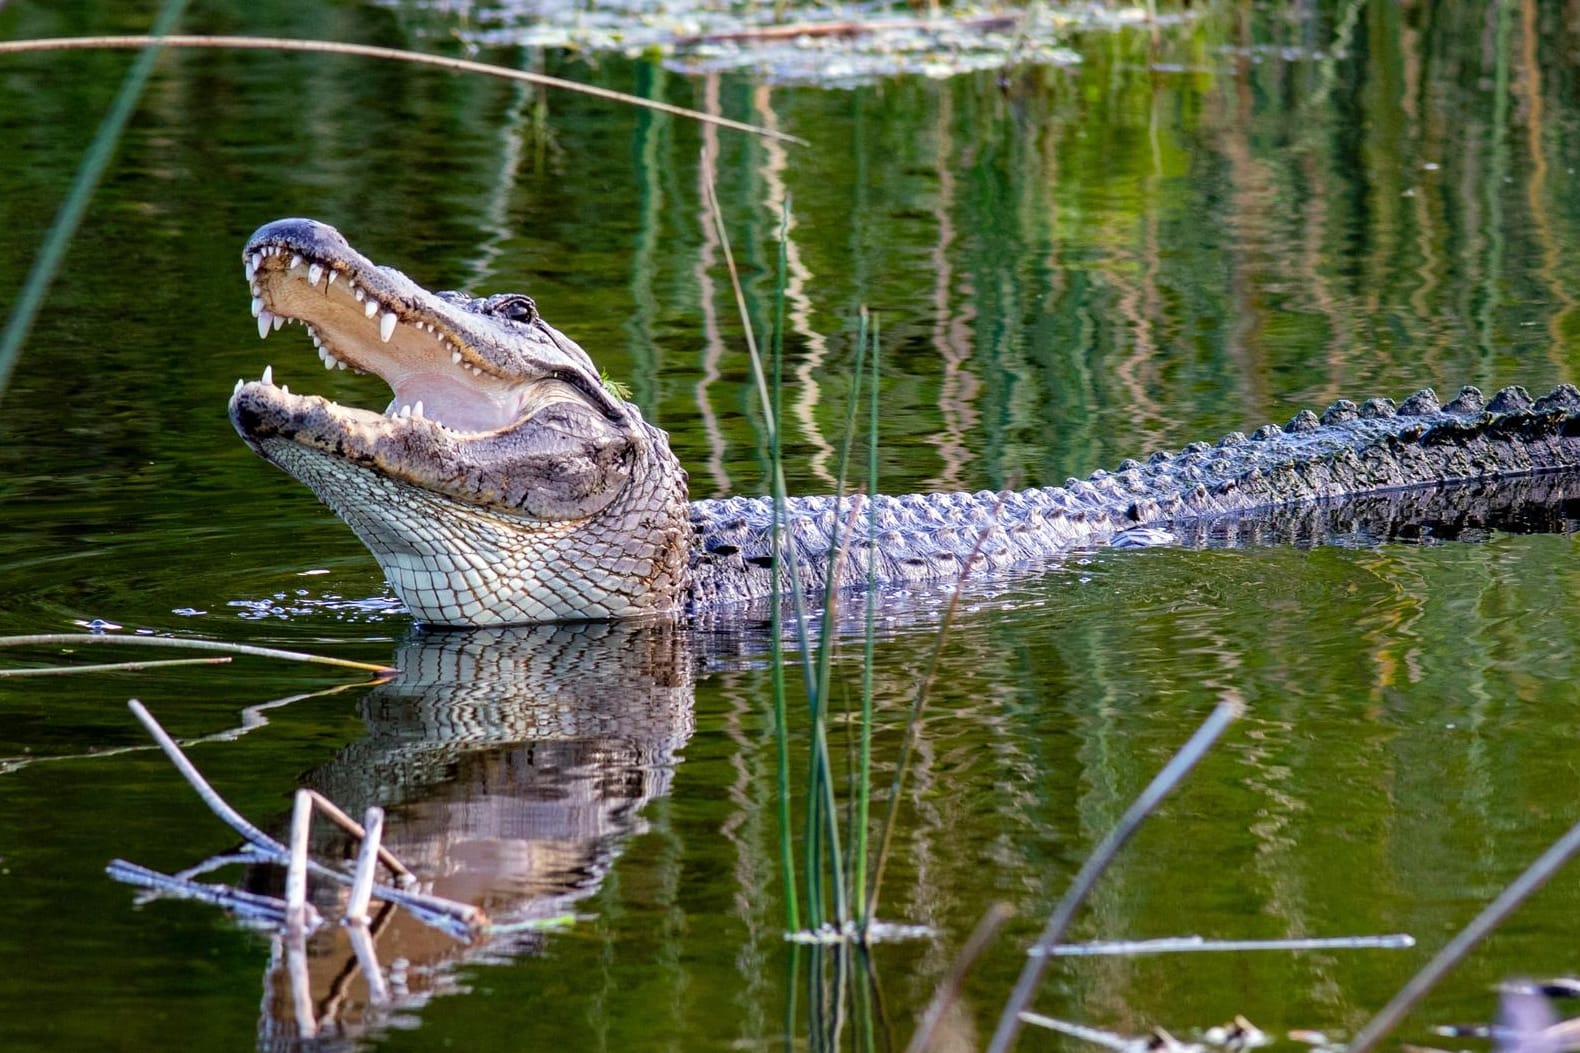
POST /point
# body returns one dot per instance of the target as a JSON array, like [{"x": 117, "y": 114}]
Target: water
[{"x": 1261, "y": 210}]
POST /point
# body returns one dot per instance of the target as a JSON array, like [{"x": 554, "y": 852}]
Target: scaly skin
[{"x": 504, "y": 485}]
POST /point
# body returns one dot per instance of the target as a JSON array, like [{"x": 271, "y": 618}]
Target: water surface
[{"x": 1203, "y": 230}]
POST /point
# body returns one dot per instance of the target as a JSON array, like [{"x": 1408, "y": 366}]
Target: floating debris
[
  {"x": 827, "y": 45},
  {"x": 851, "y": 932}
]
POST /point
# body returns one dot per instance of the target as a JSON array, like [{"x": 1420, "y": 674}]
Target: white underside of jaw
[{"x": 427, "y": 371}]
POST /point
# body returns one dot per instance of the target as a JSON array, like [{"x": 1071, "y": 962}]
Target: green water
[{"x": 1260, "y": 209}]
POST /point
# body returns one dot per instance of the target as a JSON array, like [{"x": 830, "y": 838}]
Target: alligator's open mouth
[
  {"x": 461, "y": 364},
  {"x": 496, "y": 486},
  {"x": 469, "y": 375}
]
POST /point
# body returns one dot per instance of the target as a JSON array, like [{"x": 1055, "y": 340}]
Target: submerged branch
[{"x": 252, "y": 906}]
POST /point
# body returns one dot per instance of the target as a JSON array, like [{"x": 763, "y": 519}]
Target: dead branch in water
[
  {"x": 461, "y": 920},
  {"x": 112, "y": 667},
  {"x": 1520, "y": 889},
  {"x": 85, "y": 639},
  {"x": 336, "y": 47}
]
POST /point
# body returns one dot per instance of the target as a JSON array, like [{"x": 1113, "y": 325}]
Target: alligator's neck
[{"x": 504, "y": 484}]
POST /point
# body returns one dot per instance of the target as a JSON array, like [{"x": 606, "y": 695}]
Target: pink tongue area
[{"x": 450, "y": 402}]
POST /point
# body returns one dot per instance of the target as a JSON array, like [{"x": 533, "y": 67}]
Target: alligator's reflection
[
  {"x": 513, "y": 765},
  {"x": 1548, "y": 503}
]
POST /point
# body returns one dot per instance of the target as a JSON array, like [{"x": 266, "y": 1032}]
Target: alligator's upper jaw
[{"x": 466, "y": 364}]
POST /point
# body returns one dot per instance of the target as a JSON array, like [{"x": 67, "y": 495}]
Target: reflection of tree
[{"x": 513, "y": 765}]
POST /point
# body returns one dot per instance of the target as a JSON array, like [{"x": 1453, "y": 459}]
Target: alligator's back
[{"x": 1319, "y": 465}]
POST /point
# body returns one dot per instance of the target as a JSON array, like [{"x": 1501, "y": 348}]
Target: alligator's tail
[{"x": 1312, "y": 462}]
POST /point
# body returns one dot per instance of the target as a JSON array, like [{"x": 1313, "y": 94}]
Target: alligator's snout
[{"x": 500, "y": 462}]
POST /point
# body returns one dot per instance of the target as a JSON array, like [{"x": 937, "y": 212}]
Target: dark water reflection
[{"x": 1266, "y": 207}]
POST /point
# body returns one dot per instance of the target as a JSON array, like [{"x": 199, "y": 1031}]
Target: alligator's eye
[{"x": 514, "y": 306}]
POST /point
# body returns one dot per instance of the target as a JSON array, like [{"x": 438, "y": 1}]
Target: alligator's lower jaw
[
  {"x": 449, "y": 563},
  {"x": 526, "y": 525}
]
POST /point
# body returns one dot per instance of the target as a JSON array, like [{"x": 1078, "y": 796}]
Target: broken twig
[
  {"x": 1534, "y": 877},
  {"x": 296, "y": 868},
  {"x": 336, "y": 47},
  {"x": 367, "y": 862},
  {"x": 949, "y": 989},
  {"x": 1161, "y": 785},
  {"x": 461, "y": 920}
]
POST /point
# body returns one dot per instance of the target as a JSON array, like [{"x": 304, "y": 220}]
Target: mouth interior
[{"x": 433, "y": 372}]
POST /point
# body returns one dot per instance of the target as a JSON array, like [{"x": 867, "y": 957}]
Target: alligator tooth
[
  {"x": 315, "y": 271},
  {"x": 416, "y": 409},
  {"x": 239, "y": 383},
  {"x": 387, "y": 326},
  {"x": 326, "y": 358},
  {"x": 285, "y": 389},
  {"x": 257, "y": 290},
  {"x": 333, "y": 274},
  {"x": 255, "y": 260},
  {"x": 250, "y": 269},
  {"x": 257, "y": 306},
  {"x": 296, "y": 259},
  {"x": 265, "y": 321},
  {"x": 279, "y": 321},
  {"x": 268, "y": 376},
  {"x": 356, "y": 290},
  {"x": 455, "y": 356},
  {"x": 370, "y": 308},
  {"x": 404, "y": 411}
]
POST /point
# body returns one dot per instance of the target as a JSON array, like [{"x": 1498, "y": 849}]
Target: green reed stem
[
  {"x": 89, "y": 172},
  {"x": 864, "y": 762},
  {"x": 838, "y": 543},
  {"x": 908, "y": 740},
  {"x": 854, "y": 775},
  {"x": 776, "y": 600},
  {"x": 770, "y": 405}
]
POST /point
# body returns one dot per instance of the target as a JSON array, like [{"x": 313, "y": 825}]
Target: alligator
[{"x": 506, "y": 483}]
